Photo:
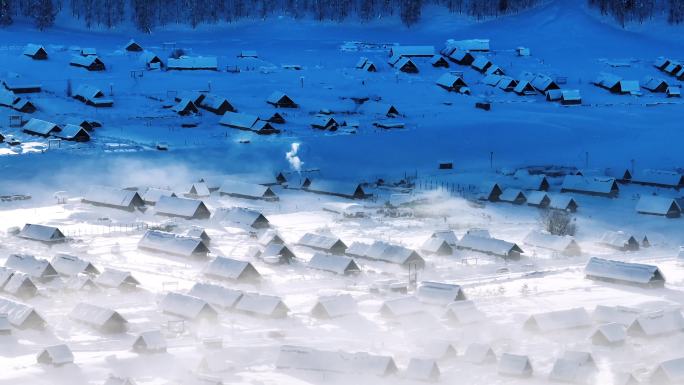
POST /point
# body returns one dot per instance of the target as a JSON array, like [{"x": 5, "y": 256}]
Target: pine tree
[
  {"x": 675, "y": 14},
  {"x": 410, "y": 11},
  {"x": 43, "y": 14},
  {"x": 5, "y": 12},
  {"x": 142, "y": 15}
]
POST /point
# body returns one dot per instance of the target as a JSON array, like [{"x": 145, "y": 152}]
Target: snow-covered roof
[
  {"x": 33, "y": 49},
  {"x": 321, "y": 361},
  {"x": 56, "y": 355},
  {"x": 19, "y": 314},
  {"x": 450, "y": 81},
  {"x": 607, "y": 80},
  {"x": 245, "y": 189},
  {"x": 401, "y": 306},
  {"x": 658, "y": 178},
  {"x": 512, "y": 195},
  {"x": 228, "y": 268},
  {"x": 8, "y": 98},
  {"x": 71, "y": 131},
  {"x": 537, "y": 197},
  {"x": 438, "y": 293},
  {"x": 41, "y": 233},
  {"x": 381, "y": 109},
  {"x": 216, "y": 295},
  {"x": 70, "y": 265},
  {"x": 181, "y": 207},
  {"x": 434, "y": 245},
  {"x": 193, "y": 63},
  {"x": 215, "y": 102},
  {"x": 478, "y": 353},
  {"x": 95, "y": 315},
  {"x": 422, "y": 369},
  {"x": 652, "y": 84},
  {"x": 595, "y": 185},
  {"x": 186, "y": 306},
  {"x": 386, "y": 252},
  {"x": 611, "y": 332},
  {"x": 651, "y": 204},
  {"x": 669, "y": 372},
  {"x": 514, "y": 365},
  {"x": 488, "y": 245},
  {"x": 412, "y": 50},
  {"x": 20, "y": 285},
  {"x": 337, "y": 264},
  {"x": 561, "y": 202},
  {"x": 321, "y": 242},
  {"x": 615, "y": 314},
  {"x": 152, "y": 194},
  {"x": 242, "y": 216},
  {"x": 41, "y": 127},
  {"x": 270, "y": 236},
  {"x": 112, "y": 196},
  {"x": 85, "y": 61},
  {"x": 34, "y": 267},
  {"x": 184, "y": 106},
  {"x": 333, "y": 306},
  {"x": 148, "y": 57},
  {"x": 262, "y": 305},
  {"x": 549, "y": 241},
  {"x": 448, "y": 235},
  {"x": 464, "y": 312},
  {"x": 657, "y": 323},
  {"x": 623, "y": 271},
  {"x": 570, "y": 371},
  {"x": 618, "y": 239},
  {"x": 481, "y": 62},
  {"x": 152, "y": 340},
  {"x": 172, "y": 244},
  {"x": 571, "y": 95},
  {"x": 116, "y": 279},
  {"x": 198, "y": 189},
  {"x": 469, "y": 44},
  {"x": 542, "y": 83},
  {"x": 88, "y": 92},
  {"x": 559, "y": 320}
]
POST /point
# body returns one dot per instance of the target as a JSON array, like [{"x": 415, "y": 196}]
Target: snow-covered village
[{"x": 205, "y": 192}]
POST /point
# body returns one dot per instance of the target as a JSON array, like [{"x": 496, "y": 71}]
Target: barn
[
  {"x": 658, "y": 205},
  {"x": 187, "y": 63},
  {"x": 479, "y": 354},
  {"x": 196, "y": 97},
  {"x": 132, "y": 46},
  {"x": 436, "y": 246},
  {"x": 37, "y": 268},
  {"x": 438, "y": 293},
  {"x": 400, "y": 307},
  {"x": 481, "y": 64},
  {"x": 244, "y": 190},
  {"x": 20, "y": 285},
  {"x": 151, "y": 61},
  {"x": 605, "y": 187},
  {"x": 247, "y": 122},
  {"x": 198, "y": 232},
  {"x": 218, "y": 296},
  {"x": 117, "y": 279},
  {"x": 100, "y": 318},
  {"x": 570, "y": 97},
  {"x": 610, "y": 334},
  {"x": 491, "y": 246},
  {"x": 324, "y": 122},
  {"x": 216, "y": 104},
  {"x": 386, "y": 252},
  {"x": 514, "y": 196},
  {"x": 324, "y": 243},
  {"x": 543, "y": 83},
  {"x": 491, "y": 192},
  {"x": 149, "y": 342},
  {"x": 35, "y": 52},
  {"x": 169, "y": 243},
  {"x": 619, "y": 240},
  {"x": 281, "y": 100},
  {"x": 269, "y": 237},
  {"x": 42, "y": 233},
  {"x": 15, "y": 85},
  {"x": 451, "y": 82},
  {"x": 259, "y": 305},
  {"x": 90, "y": 62},
  {"x": 624, "y": 272},
  {"x": 334, "y": 188},
  {"x": 242, "y": 216},
  {"x": 462, "y": 57},
  {"x": 231, "y": 269},
  {"x": 152, "y": 195},
  {"x": 538, "y": 199},
  {"x": 187, "y": 307},
  {"x": 507, "y": 83},
  {"x": 73, "y": 133},
  {"x": 321, "y": 362},
  {"x": 196, "y": 190},
  {"x": 56, "y": 355},
  {"x": 657, "y": 324},
  {"x": 563, "y": 203},
  {"x": 69, "y": 265},
  {"x": 558, "y": 320},
  {"x": 438, "y": 61},
  {"x": 495, "y": 70},
  {"x": 185, "y": 107},
  {"x": 654, "y": 84},
  {"x": 524, "y": 88},
  {"x": 463, "y": 313},
  {"x": 448, "y": 235},
  {"x": 564, "y": 245},
  {"x": 658, "y": 178},
  {"x": 20, "y": 315},
  {"x": 276, "y": 254},
  {"x": 182, "y": 208},
  {"x": 92, "y": 96},
  {"x": 334, "y": 306},
  {"x": 113, "y": 198},
  {"x": 422, "y": 369},
  {"x": 40, "y": 127},
  {"x": 337, "y": 264},
  {"x": 404, "y": 64},
  {"x": 615, "y": 314},
  {"x": 514, "y": 365}
]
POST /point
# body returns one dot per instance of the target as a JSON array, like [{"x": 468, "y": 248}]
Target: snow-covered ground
[{"x": 608, "y": 132}]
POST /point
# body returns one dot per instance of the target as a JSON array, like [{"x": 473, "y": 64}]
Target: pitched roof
[
  {"x": 229, "y": 268},
  {"x": 623, "y": 271},
  {"x": 41, "y": 233},
  {"x": 66, "y": 264},
  {"x": 337, "y": 264},
  {"x": 172, "y": 243},
  {"x": 651, "y": 204},
  {"x": 559, "y": 320},
  {"x": 179, "y": 207},
  {"x": 35, "y": 267},
  {"x": 335, "y": 305},
  {"x": 41, "y": 127},
  {"x": 193, "y": 63},
  {"x": 263, "y": 305},
  {"x": 110, "y": 196},
  {"x": 216, "y": 295},
  {"x": 116, "y": 278},
  {"x": 549, "y": 241},
  {"x": 186, "y": 306},
  {"x": 438, "y": 293},
  {"x": 95, "y": 315},
  {"x": 592, "y": 185},
  {"x": 488, "y": 245}
]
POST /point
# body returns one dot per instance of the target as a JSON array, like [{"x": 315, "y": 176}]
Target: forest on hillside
[{"x": 148, "y": 14}]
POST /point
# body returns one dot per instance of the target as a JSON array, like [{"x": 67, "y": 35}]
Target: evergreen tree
[
  {"x": 410, "y": 11},
  {"x": 43, "y": 14},
  {"x": 5, "y": 12}
]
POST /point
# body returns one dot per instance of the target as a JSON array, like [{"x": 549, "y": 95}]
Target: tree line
[
  {"x": 148, "y": 14},
  {"x": 640, "y": 11}
]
